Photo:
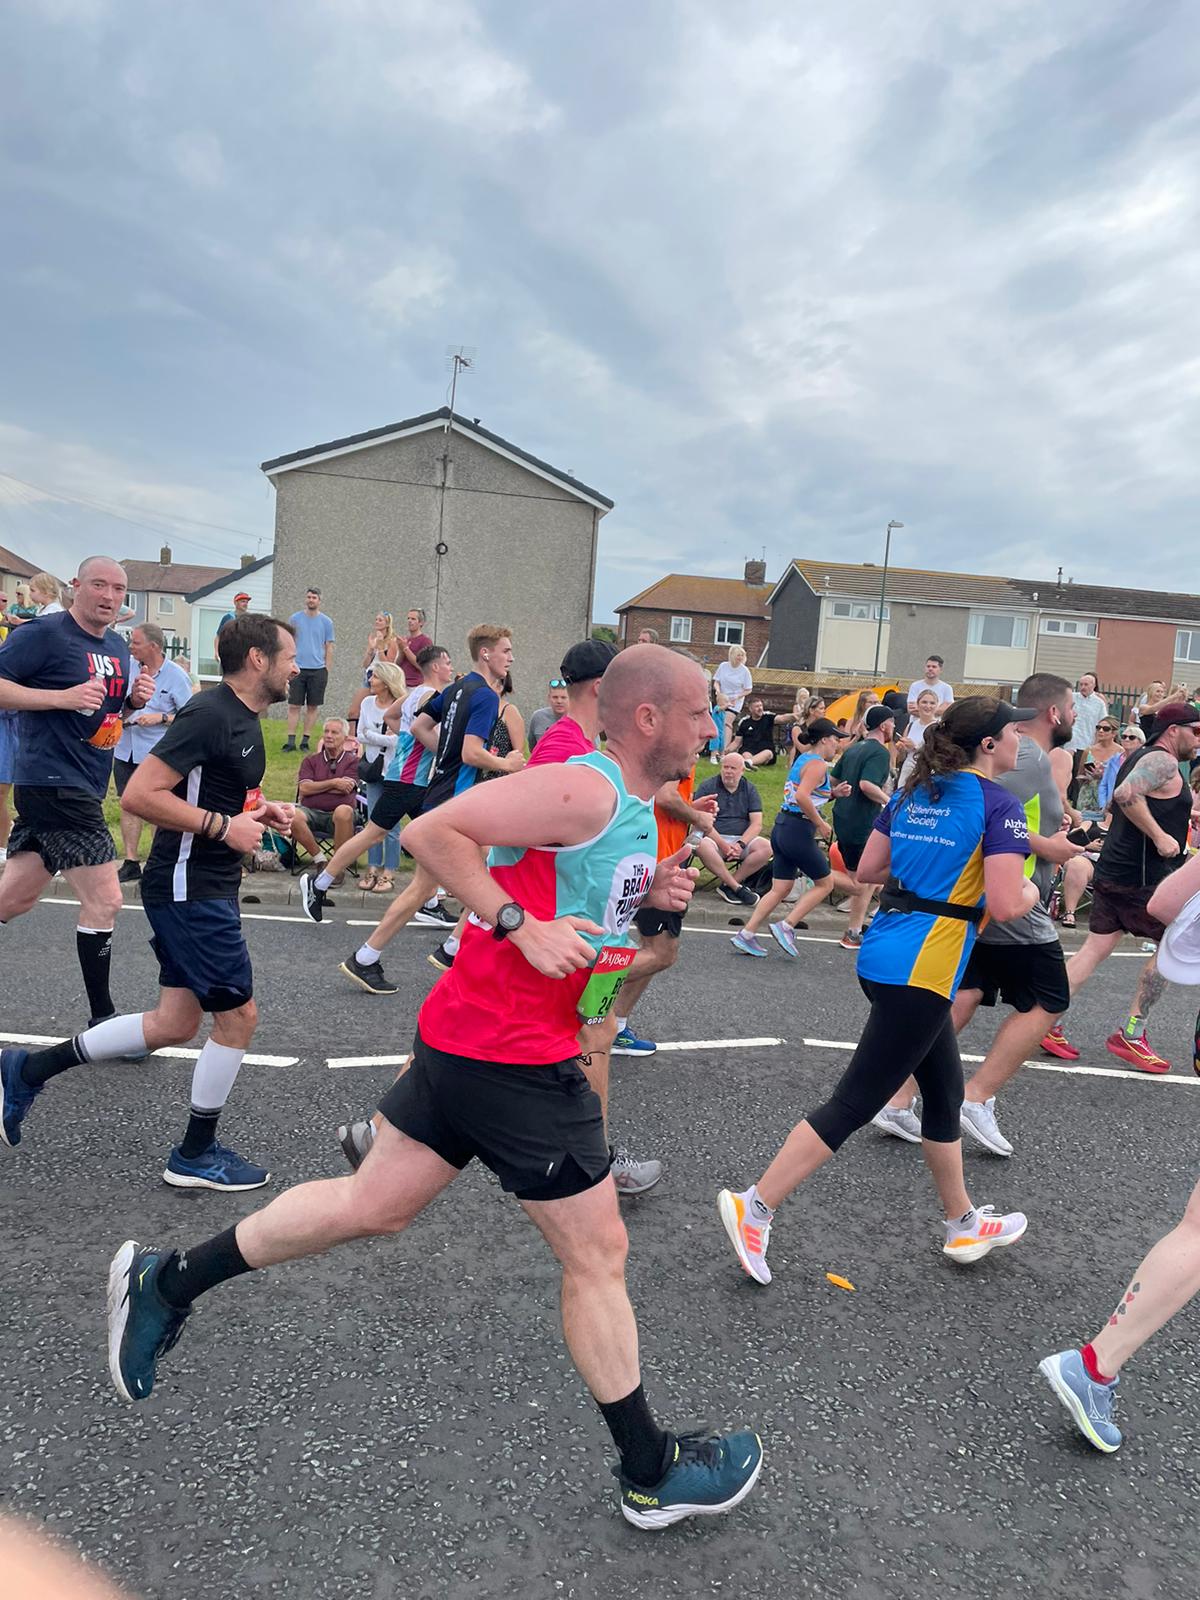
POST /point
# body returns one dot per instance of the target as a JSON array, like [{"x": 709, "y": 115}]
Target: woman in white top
[
  {"x": 733, "y": 682},
  {"x": 45, "y": 594},
  {"x": 387, "y": 686}
]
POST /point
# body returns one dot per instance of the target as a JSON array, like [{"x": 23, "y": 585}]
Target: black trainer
[
  {"x": 312, "y": 899},
  {"x": 304, "y": 742},
  {"x": 441, "y": 959},
  {"x": 369, "y": 978},
  {"x": 129, "y": 872}
]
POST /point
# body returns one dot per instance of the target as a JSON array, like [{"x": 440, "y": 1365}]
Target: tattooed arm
[{"x": 1152, "y": 773}]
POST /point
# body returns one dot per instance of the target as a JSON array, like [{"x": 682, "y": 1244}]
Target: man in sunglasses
[{"x": 546, "y": 716}]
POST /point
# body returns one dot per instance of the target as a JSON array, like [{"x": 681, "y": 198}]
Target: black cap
[
  {"x": 877, "y": 716},
  {"x": 587, "y": 660},
  {"x": 897, "y": 700},
  {"x": 1006, "y": 712},
  {"x": 822, "y": 728}
]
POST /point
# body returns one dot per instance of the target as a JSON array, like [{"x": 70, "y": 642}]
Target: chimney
[
  {"x": 756, "y": 572},
  {"x": 247, "y": 561},
  {"x": 164, "y": 556}
]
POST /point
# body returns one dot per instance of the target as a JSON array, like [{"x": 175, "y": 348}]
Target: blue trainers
[
  {"x": 16, "y": 1096},
  {"x": 785, "y": 939},
  {"x": 709, "y": 1474},
  {"x": 1090, "y": 1403},
  {"x": 627, "y": 1043},
  {"x": 748, "y": 944},
  {"x": 217, "y": 1168},
  {"x": 141, "y": 1325}
]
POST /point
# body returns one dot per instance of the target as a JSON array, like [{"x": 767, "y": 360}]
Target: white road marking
[
  {"x": 719, "y": 1044},
  {"x": 175, "y": 1053},
  {"x": 335, "y": 1063},
  {"x": 1040, "y": 1066}
]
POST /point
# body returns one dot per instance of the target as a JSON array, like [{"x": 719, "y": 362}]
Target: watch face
[{"x": 510, "y": 918}]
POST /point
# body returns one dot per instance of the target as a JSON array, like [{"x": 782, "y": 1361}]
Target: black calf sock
[
  {"x": 94, "y": 948},
  {"x": 201, "y": 1131},
  {"x": 645, "y": 1448},
  {"x": 187, "y": 1274},
  {"x": 46, "y": 1064}
]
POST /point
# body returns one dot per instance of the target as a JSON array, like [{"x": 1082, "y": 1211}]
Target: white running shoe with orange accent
[
  {"x": 967, "y": 1242},
  {"x": 747, "y": 1236}
]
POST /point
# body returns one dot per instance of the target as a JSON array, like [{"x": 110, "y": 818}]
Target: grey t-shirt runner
[{"x": 1031, "y": 783}]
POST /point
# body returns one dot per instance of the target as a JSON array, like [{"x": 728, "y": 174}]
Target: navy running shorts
[
  {"x": 539, "y": 1129},
  {"x": 200, "y": 947},
  {"x": 794, "y": 850}
]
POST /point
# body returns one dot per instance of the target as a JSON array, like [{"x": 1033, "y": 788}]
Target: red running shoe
[
  {"x": 1056, "y": 1043},
  {"x": 1137, "y": 1052}
]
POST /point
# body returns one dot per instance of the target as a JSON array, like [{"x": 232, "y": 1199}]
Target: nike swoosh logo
[{"x": 248, "y": 752}]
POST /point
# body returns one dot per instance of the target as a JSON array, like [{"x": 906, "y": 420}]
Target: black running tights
[{"x": 908, "y": 1034}]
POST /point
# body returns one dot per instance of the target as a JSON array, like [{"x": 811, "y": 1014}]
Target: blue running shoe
[
  {"x": 16, "y": 1096},
  {"x": 709, "y": 1474},
  {"x": 218, "y": 1167},
  {"x": 748, "y": 944},
  {"x": 627, "y": 1043},
  {"x": 785, "y": 939},
  {"x": 141, "y": 1325},
  {"x": 1090, "y": 1403}
]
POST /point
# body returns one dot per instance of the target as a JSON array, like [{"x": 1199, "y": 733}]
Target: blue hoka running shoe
[
  {"x": 218, "y": 1167},
  {"x": 1090, "y": 1404},
  {"x": 141, "y": 1325},
  {"x": 709, "y": 1474},
  {"x": 16, "y": 1096}
]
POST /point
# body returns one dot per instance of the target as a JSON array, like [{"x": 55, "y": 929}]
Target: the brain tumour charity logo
[{"x": 108, "y": 733}]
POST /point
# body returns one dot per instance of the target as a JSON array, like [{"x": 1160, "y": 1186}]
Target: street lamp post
[{"x": 887, "y": 550}]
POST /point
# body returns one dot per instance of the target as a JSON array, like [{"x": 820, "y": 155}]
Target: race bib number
[
  {"x": 604, "y": 985},
  {"x": 108, "y": 734}
]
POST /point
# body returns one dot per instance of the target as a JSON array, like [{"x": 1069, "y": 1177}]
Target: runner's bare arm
[
  {"x": 425, "y": 731},
  {"x": 1153, "y": 772},
  {"x": 1174, "y": 892},
  {"x": 476, "y": 754},
  {"x": 1061, "y": 766},
  {"x": 875, "y": 863},
  {"x": 1008, "y": 893},
  {"x": 148, "y": 796},
  {"x": 89, "y": 696}
]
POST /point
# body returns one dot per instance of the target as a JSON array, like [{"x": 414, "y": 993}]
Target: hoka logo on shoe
[{"x": 642, "y": 1499}]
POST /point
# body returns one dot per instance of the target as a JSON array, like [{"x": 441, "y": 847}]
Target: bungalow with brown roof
[{"x": 703, "y": 616}]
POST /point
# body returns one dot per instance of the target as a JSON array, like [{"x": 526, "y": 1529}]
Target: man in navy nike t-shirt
[{"x": 67, "y": 675}]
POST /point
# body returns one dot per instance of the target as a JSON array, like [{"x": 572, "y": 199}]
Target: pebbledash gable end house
[
  {"x": 827, "y": 618},
  {"x": 703, "y": 616},
  {"x": 436, "y": 512}
]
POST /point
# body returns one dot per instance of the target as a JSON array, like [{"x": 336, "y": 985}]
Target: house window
[
  {"x": 858, "y": 610},
  {"x": 1187, "y": 644},
  {"x": 166, "y": 605},
  {"x": 1069, "y": 627},
  {"x": 681, "y": 630},
  {"x": 998, "y": 629},
  {"x": 730, "y": 632}
]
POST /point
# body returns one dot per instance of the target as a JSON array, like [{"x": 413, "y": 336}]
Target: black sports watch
[{"x": 508, "y": 919}]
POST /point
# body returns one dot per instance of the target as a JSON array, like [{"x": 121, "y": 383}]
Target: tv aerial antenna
[{"x": 462, "y": 359}]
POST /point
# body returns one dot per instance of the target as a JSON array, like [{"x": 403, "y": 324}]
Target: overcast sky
[{"x": 765, "y": 275}]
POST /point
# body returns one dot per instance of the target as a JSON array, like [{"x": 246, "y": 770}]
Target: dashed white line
[
  {"x": 1040, "y": 1066},
  {"x": 176, "y": 1053}
]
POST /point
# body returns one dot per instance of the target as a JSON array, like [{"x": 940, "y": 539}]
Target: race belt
[{"x": 895, "y": 897}]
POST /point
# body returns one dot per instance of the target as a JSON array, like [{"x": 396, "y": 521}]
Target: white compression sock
[
  {"x": 213, "y": 1075},
  {"x": 451, "y": 945},
  {"x": 116, "y": 1037},
  {"x": 366, "y": 956}
]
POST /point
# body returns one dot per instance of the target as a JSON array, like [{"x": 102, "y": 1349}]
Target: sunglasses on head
[{"x": 558, "y": 683}]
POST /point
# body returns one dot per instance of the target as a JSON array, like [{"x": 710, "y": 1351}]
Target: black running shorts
[
  {"x": 1116, "y": 908},
  {"x": 794, "y": 850},
  {"x": 650, "y": 922},
  {"x": 1020, "y": 975},
  {"x": 64, "y": 826},
  {"x": 122, "y": 772},
  {"x": 398, "y": 801},
  {"x": 539, "y": 1129}
]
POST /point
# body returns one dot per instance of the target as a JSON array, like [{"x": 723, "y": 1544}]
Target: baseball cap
[
  {"x": 586, "y": 660},
  {"x": 1005, "y": 713},
  {"x": 822, "y": 728},
  {"x": 242, "y": 596},
  {"x": 897, "y": 700},
  {"x": 877, "y": 716},
  {"x": 1174, "y": 714}
]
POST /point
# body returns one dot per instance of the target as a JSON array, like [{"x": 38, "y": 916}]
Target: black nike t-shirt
[{"x": 216, "y": 744}]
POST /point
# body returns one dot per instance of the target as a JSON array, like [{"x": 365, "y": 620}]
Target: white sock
[
  {"x": 366, "y": 956},
  {"x": 622, "y": 1024},
  {"x": 323, "y": 880},
  {"x": 430, "y": 904},
  {"x": 967, "y": 1220},
  {"x": 113, "y": 1038},
  {"x": 451, "y": 945},
  {"x": 758, "y": 1209},
  {"x": 213, "y": 1075}
]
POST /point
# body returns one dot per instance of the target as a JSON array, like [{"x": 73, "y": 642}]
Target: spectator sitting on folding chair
[
  {"x": 326, "y": 791},
  {"x": 736, "y": 849}
]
